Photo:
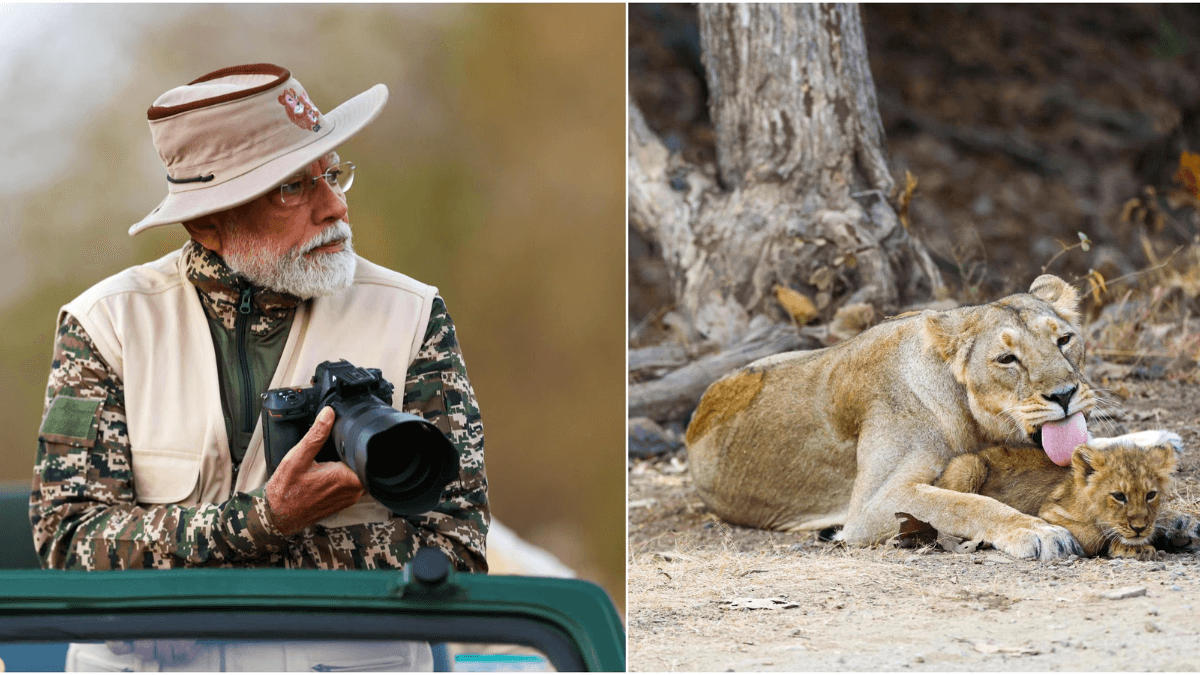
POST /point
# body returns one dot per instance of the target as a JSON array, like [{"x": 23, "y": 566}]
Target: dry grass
[{"x": 1150, "y": 320}]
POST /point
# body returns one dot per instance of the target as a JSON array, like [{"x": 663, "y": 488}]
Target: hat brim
[{"x": 344, "y": 121}]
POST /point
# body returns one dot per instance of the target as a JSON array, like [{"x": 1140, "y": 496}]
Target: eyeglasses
[{"x": 339, "y": 176}]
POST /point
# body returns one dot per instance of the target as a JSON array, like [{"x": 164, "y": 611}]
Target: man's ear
[
  {"x": 1061, "y": 295},
  {"x": 206, "y": 230}
]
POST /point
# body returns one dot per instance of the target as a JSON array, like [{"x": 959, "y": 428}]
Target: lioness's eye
[
  {"x": 1006, "y": 358},
  {"x": 1151, "y": 495},
  {"x": 1119, "y": 496},
  {"x": 1062, "y": 341}
]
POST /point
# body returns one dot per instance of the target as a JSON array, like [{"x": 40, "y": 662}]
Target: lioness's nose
[{"x": 1061, "y": 397}]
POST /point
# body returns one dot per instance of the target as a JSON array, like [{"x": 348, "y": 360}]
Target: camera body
[
  {"x": 288, "y": 413},
  {"x": 402, "y": 460}
]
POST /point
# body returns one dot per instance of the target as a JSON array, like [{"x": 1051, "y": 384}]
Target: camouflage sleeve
[
  {"x": 83, "y": 505},
  {"x": 437, "y": 388}
]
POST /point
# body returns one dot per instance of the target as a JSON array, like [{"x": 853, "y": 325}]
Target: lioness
[{"x": 853, "y": 433}]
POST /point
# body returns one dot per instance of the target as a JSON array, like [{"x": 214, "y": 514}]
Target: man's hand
[{"x": 301, "y": 491}]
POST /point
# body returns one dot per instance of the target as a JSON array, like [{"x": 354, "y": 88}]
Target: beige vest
[{"x": 148, "y": 324}]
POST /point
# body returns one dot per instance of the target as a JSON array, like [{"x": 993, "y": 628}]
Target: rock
[
  {"x": 647, "y": 439},
  {"x": 1124, "y": 593}
]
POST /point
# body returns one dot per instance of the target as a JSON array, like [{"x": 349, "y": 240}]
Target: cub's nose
[
  {"x": 1061, "y": 397},
  {"x": 1136, "y": 530}
]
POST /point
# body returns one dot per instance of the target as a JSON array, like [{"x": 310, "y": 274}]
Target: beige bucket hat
[{"x": 234, "y": 134}]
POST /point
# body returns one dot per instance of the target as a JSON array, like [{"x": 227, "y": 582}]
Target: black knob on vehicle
[{"x": 430, "y": 566}]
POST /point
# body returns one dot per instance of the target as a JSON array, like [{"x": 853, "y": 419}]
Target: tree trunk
[{"x": 802, "y": 197}]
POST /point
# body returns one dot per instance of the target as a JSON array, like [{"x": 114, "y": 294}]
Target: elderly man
[{"x": 150, "y": 452}]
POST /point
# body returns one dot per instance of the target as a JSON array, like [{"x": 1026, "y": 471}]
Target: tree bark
[{"x": 801, "y": 196}]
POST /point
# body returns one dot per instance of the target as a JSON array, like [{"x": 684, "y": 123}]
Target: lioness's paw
[
  {"x": 1177, "y": 532},
  {"x": 1139, "y": 551},
  {"x": 1038, "y": 540}
]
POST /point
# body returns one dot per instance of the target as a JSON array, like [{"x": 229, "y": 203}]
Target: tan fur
[
  {"x": 1022, "y": 477},
  {"x": 1079, "y": 497},
  {"x": 855, "y": 432},
  {"x": 732, "y": 396}
]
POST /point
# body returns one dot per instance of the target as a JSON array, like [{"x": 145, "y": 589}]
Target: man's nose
[{"x": 329, "y": 202}]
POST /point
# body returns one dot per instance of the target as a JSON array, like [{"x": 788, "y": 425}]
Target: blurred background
[{"x": 496, "y": 172}]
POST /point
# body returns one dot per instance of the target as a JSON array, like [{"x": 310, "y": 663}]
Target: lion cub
[{"x": 1108, "y": 497}]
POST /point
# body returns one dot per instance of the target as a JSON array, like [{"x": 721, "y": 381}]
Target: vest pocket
[{"x": 164, "y": 476}]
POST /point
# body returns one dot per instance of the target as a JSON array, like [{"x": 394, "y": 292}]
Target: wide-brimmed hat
[{"x": 234, "y": 134}]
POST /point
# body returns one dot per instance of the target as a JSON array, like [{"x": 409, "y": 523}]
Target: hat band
[
  {"x": 281, "y": 75},
  {"x": 197, "y": 179}
]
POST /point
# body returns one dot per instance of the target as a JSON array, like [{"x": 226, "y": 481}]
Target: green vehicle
[{"x": 473, "y": 621}]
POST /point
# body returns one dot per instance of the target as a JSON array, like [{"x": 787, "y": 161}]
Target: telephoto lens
[{"x": 404, "y": 461}]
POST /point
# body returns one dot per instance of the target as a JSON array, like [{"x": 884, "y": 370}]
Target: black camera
[{"x": 403, "y": 461}]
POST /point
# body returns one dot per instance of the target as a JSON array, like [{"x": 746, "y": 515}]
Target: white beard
[{"x": 293, "y": 272}]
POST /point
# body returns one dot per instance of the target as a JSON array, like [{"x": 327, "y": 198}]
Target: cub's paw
[
  {"x": 1140, "y": 551},
  {"x": 1177, "y": 532},
  {"x": 1037, "y": 539}
]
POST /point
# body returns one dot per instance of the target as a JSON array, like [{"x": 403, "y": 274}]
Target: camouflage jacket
[{"x": 84, "y": 509}]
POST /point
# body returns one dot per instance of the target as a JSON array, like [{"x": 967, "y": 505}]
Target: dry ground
[{"x": 894, "y": 609}]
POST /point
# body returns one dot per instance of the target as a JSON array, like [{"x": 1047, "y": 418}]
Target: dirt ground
[{"x": 824, "y": 607}]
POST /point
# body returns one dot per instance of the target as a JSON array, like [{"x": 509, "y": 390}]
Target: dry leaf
[
  {"x": 913, "y": 533},
  {"x": 910, "y": 186},
  {"x": 1189, "y": 173},
  {"x": 798, "y": 305}
]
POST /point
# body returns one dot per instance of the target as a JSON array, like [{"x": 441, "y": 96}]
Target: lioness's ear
[
  {"x": 948, "y": 332},
  {"x": 1061, "y": 295}
]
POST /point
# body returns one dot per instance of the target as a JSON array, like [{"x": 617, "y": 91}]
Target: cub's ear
[
  {"x": 1086, "y": 460},
  {"x": 1164, "y": 458},
  {"x": 1061, "y": 295}
]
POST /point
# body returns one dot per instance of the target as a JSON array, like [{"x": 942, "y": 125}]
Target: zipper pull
[{"x": 244, "y": 308}]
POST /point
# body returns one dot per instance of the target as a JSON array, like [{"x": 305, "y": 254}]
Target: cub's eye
[
  {"x": 1064, "y": 340},
  {"x": 1151, "y": 495},
  {"x": 1006, "y": 359},
  {"x": 1119, "y": 496}
]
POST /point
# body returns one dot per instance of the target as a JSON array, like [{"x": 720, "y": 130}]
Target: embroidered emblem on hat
[{"x": 300, "y": 110}]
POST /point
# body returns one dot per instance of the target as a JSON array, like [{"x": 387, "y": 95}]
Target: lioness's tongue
[{"x": 1060, "y": 438}]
